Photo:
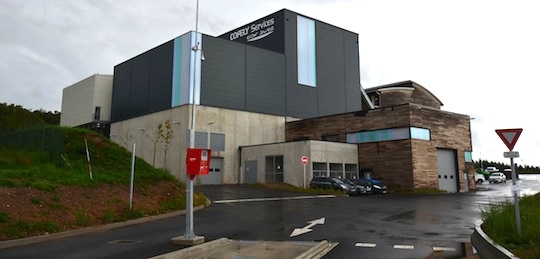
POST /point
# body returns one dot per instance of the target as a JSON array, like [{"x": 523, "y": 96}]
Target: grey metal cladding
[
  {"x": 223, "y": 74},
  {"x": 338, "y": 78},
  {"x": 138, "y": 98},
  {"x": 301, "y": 99},
  {"x": 265, "y": 81},
  {"x": 160, "y": 77},
  {"x": 330, "y": 69},
  {"x": 352, "y": 72},
  {"x": 121, "y": 89},
  {"x": 142, "y": 85}
]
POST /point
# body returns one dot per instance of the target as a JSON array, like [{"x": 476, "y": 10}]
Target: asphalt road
[{"x": 370, "y": 226}]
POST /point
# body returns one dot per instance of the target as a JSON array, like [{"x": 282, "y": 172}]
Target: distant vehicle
[
  {"x": 508, "y": 173},
  {"x": 479, "y": 178},
  {"x": 333, "y": 183},
  {"x": 492, "y": 169},
  {"x": 497, "y": 177},
  {"x": 362, "y": 185},
  {"x": 376, "y": 185}
]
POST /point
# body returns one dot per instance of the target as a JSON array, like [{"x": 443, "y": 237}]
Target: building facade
[
  {"x": 408, "y": 141},
  {"x": 87, "y": 104},
  {"x": 285, "y": 86}
]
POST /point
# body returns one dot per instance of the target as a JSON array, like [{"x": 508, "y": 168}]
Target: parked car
[
  {"x": 479, "y": 178},
  {"x": 376, "y": 185},
  {"x": 497, "y": 177},
  {"x": 333, "y": 183},
  {"x": 362, "y": 187},
  {"x": 492, "y": 169}
]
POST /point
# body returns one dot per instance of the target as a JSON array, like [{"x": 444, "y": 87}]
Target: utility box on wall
[{"x": 197, "y": 162}]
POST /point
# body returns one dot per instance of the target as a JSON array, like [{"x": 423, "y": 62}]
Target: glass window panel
[
  {"x": 468, "y": 156},
  {"x": 306, "y": 52}
]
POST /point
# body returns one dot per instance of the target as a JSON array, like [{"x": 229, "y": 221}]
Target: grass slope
[
  {"x": 42, "y": 195},
  {"x": 500, "y": 224}
]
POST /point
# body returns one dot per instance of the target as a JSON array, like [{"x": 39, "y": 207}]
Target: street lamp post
[{"x": 189, "y": 237}]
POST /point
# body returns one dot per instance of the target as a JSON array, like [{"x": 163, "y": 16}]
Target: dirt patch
[{"x": 29, "y": 211}]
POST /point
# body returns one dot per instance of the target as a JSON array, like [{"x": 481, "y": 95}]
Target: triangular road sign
[{"x": 509, "y": 136}]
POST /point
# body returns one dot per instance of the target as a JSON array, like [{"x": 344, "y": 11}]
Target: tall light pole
[{"x": 189, "y": 237}]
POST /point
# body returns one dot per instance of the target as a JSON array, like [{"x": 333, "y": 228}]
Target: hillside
[
  {"x": 47, "y": 184},
  {"x": 14, "y": 117}
]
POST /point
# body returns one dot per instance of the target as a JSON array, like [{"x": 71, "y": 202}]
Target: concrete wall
[
  {"x": 293, "y": 168},
  {"x": 240, "y": 129},
  {"x": 80, "y": 99}
]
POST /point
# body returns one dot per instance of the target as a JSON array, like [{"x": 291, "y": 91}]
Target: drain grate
[{"x": 124, "y": 242}]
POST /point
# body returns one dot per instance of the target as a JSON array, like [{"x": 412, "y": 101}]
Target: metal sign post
[
  {"x": 304, "y": 160},
  {"x": 510, "y": 137}
]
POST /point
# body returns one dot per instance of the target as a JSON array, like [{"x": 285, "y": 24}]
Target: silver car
[{"x": 497, "y": 178}]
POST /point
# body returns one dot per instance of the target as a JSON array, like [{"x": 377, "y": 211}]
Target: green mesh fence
[{"x": 45, "y": 140}]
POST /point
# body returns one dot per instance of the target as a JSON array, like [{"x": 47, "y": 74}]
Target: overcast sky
[{"x": 480, "y": 58}]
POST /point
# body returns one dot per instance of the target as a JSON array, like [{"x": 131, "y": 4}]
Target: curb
[
  {"x": 318, "y": 250},
  {"x": 487, "y": 248},
  {"x": 82, "y": 231}
]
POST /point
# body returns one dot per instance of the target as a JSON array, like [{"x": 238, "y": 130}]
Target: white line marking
[
  {"x": 404, "y": 247},
  {"x": 369, "y": 245},
  {"x": 275, "y": 199},
  {"x": 442, "y": 249}
]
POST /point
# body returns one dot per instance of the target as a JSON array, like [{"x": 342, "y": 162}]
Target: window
[
  {"x": 376, "y": 101},
  {"x": 389, "y": 134},
  {"x": 320, "y": 169},
  {"x": 336, "y": 170},
  {"x": 201, "y": 139},
  {"x": 307, "y": 63},
  {"x": 97, "y": 113},
  {"x": 468, "y": 157},
  {"x": 217, "y": 141},
  {"x": 351, "y": 171},
  {"x": 419, "y": 133}
]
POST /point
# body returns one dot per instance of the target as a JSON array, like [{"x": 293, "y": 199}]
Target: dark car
[
  {"x": 332, "y": 183},
  {"x": 362, "y": 187},
  {"x": 376, "y": 185}
]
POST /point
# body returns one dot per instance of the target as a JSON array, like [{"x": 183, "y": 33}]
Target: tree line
[
  {"x": 14, "y": 117},
  {"x": 482, "y": 164}
]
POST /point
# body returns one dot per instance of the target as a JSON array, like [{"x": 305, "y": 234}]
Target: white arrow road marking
[{"x": 306, "y": 229}]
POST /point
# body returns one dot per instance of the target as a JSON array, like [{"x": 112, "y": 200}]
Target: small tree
[
  {"x": 155, "y": 137},
  {"x": 166, "y": 136}
]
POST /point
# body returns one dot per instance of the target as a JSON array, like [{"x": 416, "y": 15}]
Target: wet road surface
[{"x": 370, "y": 226}]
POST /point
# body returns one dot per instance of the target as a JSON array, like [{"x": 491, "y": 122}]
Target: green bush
[{"x": 500, "y": 224}]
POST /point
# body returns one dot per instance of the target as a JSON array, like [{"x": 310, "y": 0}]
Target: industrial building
[{"x": 272, "y": 91}]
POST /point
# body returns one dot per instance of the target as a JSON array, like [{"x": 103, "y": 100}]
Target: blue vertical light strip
[
  {"x": 177, "y": 72},
  {"x": 183, "y": 60},
  {"x": 306, "y": 51},
  {"x": 195, "y": 56}
]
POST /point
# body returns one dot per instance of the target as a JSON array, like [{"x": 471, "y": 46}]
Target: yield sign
[{"x": 509, "y": 136}]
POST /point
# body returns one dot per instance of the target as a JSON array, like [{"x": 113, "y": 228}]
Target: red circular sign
[{"x": 304, "y": 160}]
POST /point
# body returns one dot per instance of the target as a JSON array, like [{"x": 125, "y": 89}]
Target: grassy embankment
[
  {"x": 500, "y": 225},
  {"x": 26, "y": 172}
]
